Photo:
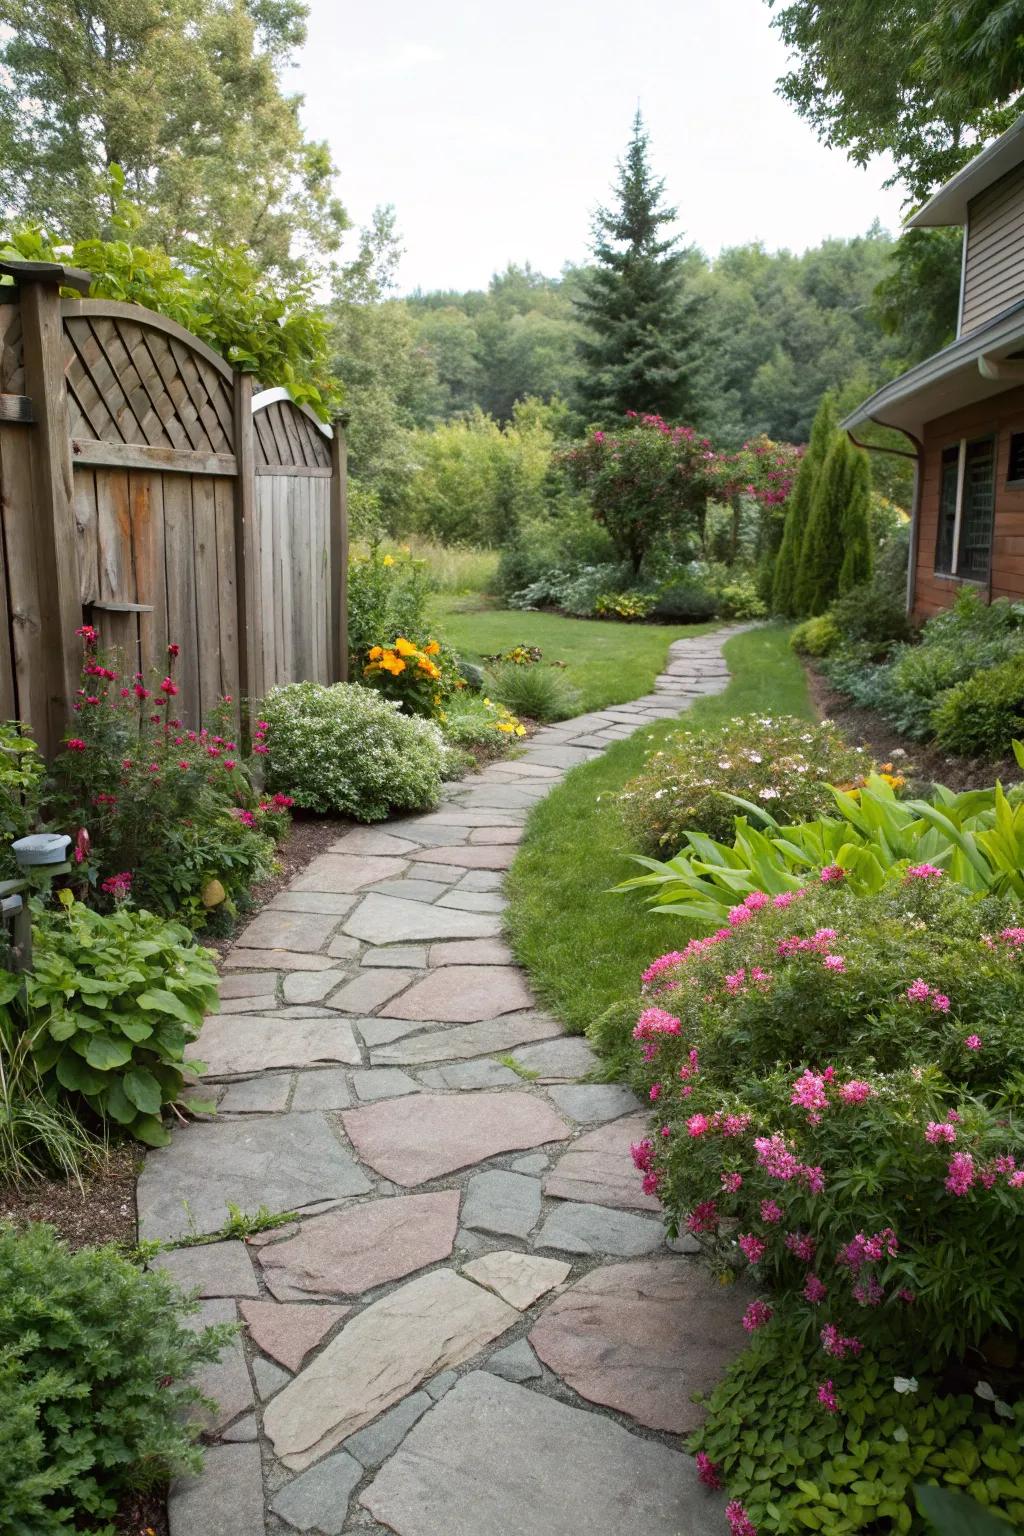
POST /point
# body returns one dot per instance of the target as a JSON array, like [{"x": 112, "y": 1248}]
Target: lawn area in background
[
  {"x": 584, "y": 949},
  {"x": 609, "y": 663}
]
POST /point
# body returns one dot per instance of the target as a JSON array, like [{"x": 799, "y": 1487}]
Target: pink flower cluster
[
  {"x": 780, "y": 1163},
  {"x": 920, "y": 992},
  {"x": 655, "y": 1021},
  {"x": 827, "y": 1397},
  {"x": 751, "y": 1247},
  {"x": 818, "y": 943},
  {"x": 924, "y": 872},
  {"x": 740, "y": 1523},
  {"x": 118, "y": 886},
  {"x": 836, "y": 1344},
  {"x": 802, "y": 1245},
  {"x": 708, "y": 1471},
  {"x": 703, "y": 1218},
  {"x": 960, "y": 1173},
  {"x": 868, "y": 1250},
  {"x": 809, "y": 1093},
  {"x": 757, "y": 1315}
]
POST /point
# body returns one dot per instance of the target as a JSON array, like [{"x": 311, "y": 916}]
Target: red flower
[
  {"x": 173, "y": 650},
  {"x": 83, "y": 843},
  {"x": 76, "y": 744},
  {"x": 169, "y": 686}
]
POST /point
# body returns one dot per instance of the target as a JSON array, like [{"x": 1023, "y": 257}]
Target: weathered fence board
[{"x": 146, "y": 490}]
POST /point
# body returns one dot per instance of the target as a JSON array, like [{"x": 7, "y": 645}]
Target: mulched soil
[
  {"x": 102, "y": 1210},
  {"x": 863, "y": 727}
]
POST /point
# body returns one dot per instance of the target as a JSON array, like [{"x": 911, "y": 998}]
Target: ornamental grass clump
[
  {"x": 349, "y": 751},
  {"x": 783, "y": 764}
]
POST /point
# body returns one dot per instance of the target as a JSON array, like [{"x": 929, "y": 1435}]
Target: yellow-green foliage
[{"x": 816, "y": 637}]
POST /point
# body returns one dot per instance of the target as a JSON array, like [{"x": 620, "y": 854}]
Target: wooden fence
[{"x": 146, "y": 489}]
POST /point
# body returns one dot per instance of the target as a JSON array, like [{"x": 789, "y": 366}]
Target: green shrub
[
  {"x": 787, "y": 561},
  {"x": 95, "y": 1368},
  {"x": 387, "y": 596},
  {"x": 629, "y": 606},
  {"x": 113, "y": 1003},
  {"x": 348, "y": 751},
  {"x": 40, "y": 1135},
  {"x": 858, "y": 553},
  {"x": 21, "y": 778},
  {"x": 575, "y": 590},
  {"x": 539, "y": 692},
  {"x": 792, "y": 1465},
  {"x": 684, "y": 599},
  {"x": 816, "y": 637},
  {"x": 984, "y": 714},
  {"x": 739, "y": 599},
  {"x": 871, "y": 614},
  {"x": 785, "y": 764},
  {"x": 473, "y": 721},
  {"x": 561, "y": 540}
]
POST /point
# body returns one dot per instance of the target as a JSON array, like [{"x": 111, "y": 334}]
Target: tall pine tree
[
  {"x": 636, "y": 353},
  {"x": 858, "y": 555},
  {"x": 817, "y": 580},
  {"x": 787, "y": 563}
]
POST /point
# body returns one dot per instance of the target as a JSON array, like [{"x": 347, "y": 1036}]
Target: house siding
[
  {"x": 998, "y": 418},
  {"x": 993, "y": 274}
]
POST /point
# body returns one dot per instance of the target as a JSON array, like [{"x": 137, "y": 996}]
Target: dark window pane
[
  {"x": 1015, "y": 469},
  {"x": 947, "y": 511},
  {"x": 976, "y": 511}
]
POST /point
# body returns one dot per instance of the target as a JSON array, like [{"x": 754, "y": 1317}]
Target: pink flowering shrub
[
  {"x": 783, "y": 764},
  {"x": 162, "y": 814},
  {"x": 920, "y": 973}
]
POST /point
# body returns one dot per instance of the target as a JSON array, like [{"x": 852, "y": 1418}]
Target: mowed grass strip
[
  {"x": 609, "y": 663},
  {"x": 583, "y": 947}
]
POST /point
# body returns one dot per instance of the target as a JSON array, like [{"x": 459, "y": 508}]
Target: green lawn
[
  {"x": 584, "y": 948},
  {"x": 608, "y": 662}
]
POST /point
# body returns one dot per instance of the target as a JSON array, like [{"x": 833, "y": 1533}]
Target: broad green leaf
[
  {"x": 143, "y": 1090},
  {"x": 105, "y": 1053},
  {"x": 160, "y": 1000}
]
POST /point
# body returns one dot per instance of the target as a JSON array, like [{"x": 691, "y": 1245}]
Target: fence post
[
  {"x": 247, "y": 553},
  {"x": 339, "y": 550},
  {"x": 53, "y": 510}
]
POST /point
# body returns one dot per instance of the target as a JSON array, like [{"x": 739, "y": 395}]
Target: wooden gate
[{"x": 144, "y": 490}]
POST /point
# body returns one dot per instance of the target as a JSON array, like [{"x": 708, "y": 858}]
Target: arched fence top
[
  {"x": 289, "y": 437},
  {"x": 114, "y": 309},
  {"x": 271, "y": 396}
]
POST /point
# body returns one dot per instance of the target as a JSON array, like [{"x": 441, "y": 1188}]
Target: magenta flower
[
  {"x": 973, "y": 1042},
  {"x": 757, "y": 1315},
  {"x": 960, "y": 1174},
  {"x": 708, "y": 1471},
  {"x": 939, "y": 1130},
  {"x": 802, "y": 1245},
  {"x": 740, "y": 1523},
  {"x": 752, "y": 1247},
  {"x": 832, "y": 873},
  {"x": 855, "y": 1091},
  {"x": 732, "y": 1182},
  {"x": 76, "y": 744},
  {"x": 698, "y": 1125},
  {"x": 834, "y": 963},
  {"x": 918, "y": 992},
  {"x": 703, "y": 1217},
  {"x": 836, "y": 1345},
  {"x": 771, "y": 1212},
  {"x": 814, "y": 1290},
  {"x": 924, "y": 872},
  {"x": 827, "y": 1397}
]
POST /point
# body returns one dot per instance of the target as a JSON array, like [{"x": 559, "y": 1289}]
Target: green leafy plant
[
  {"x": 816, "y": 637},
  {"x": 95, "y": 1380},
  {"x": 629, "y": 605},
  {"x": 387, "y": 595},
  {"x": 21, "y": 779},
  {"x": 540, "y": 693},
  {"x": 951, "y": 1513},
  {"x": 346, "y": 749},
  {"x": 983, "y": 714},
  {"x": 39, "y": 1134},
  {"x": 113, "y": 1002}
]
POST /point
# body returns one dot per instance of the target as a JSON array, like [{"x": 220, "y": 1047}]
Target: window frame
[
  {"x": 1011, "y": 484},
  {"x": 962, "y": 446}
]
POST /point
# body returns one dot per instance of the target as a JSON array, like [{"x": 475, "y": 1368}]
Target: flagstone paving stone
[
  {"x": 380, "y": 1356},
  {"x": 419, "y": 1138},
  {"x": 288, "y": 1333},
  {"x": 242, "y": 1044},
  {"x": 463, "y": 996},
  {"x": 643, "y": 1338},
  {"x": 598, "y": 1167},
  {"x": 347, "y": 1252},
  {"x": 375, "y": 1291},
  {"x": 497, "y": 1459},
  {"x": 225, "y": 1381}
]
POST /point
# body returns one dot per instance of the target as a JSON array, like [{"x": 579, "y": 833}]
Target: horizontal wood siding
[
  {"x": 998, "y": 417},
  {"x": 994, "y": 257}
]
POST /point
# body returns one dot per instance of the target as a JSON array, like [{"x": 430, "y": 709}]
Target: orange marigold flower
[
  {"x": 405, "y": 647},
  {"x": 431, "y": 648},
  {"x": 376, "y": 652},
  {"x": 392, "y": 663}
]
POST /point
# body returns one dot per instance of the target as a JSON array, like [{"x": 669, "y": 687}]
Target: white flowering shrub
[
  {"x": 349, "y": 750},
  {"x": 782, "y": 763}
]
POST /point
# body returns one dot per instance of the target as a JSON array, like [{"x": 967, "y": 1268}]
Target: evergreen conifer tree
[
  {"x": 821, "y": 559},
  {"x": 787, "y": 563},
  {"x": 637, "y": 350},
  {"x": 858, "y": 556}
]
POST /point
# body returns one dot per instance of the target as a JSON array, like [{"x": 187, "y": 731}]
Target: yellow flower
[
  {"x": 392, "y": 663},
  {"x": 431, "y": 648},
  {"x": 427, "y": 666},
  {"x": 488, "y": 704},
  {"x": 520, "y": 730},
  {"x": 388, "y": 560},
  {"x": 376, "y": 652},
  {"x": 404, "y": 647},
  {"x": 504, "y": 725}
]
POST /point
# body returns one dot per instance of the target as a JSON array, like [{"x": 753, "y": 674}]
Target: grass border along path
[{"x": 584, "y": 949}]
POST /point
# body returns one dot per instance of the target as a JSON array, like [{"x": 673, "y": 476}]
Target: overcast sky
[{"x": 494, "y": 129}]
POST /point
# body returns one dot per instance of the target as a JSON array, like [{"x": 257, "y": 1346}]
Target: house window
[
  {"x": 1015, "y": 467},
  {"x": 966, "y": 505}
]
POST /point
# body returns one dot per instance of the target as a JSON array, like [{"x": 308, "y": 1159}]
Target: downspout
[{"x": 915, "y": 504}]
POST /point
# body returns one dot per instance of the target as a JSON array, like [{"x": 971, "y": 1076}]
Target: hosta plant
[{"x": 113, "y": 1003}]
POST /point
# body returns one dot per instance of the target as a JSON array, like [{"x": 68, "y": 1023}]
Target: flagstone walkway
[{"x": 475, "y": 1326}]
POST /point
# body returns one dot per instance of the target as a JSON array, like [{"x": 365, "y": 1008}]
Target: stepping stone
[
  {"x": 226, "y": 1499},
  {"x": 278, "y": 959},
  {"x": 411, "y": 890},
  {"x": 214, "y": 1269},
  {"x": 573, "y": 1228},
  {"x": 342, "y": 947},
  {"x": 561, "y": 757},
  {"x": 242, "y": 1429},
  {"x": 599, "y": 1169},
  {"x": 345, "y": 1253},
  {"x": 257, "y": 1095},
  {"x": 444, "y": 874},
  {"x": 369, "y": 990},
  {"x": 377, "y": 917},
  {"x": 318, "y": 1500},
  {"x": 288, "y": 1333},
  {"x": 412, "y": 957},
  {"x": 464, "y": 994},
  {"x": 264, "y": 1002},
  {"x": 376, "y": 1443},
  {"x": 517, "y": 1362},
  {"x": 474, "y": 901},
  {"x": 412, "y": 1140},
  {"x": 472, "y": 856},
  {"x": 282, "y": 1162},
  {"x": 568, "y": 1057},
  {"x": 380, "y": 1356},
  {"x": 501, "y": 1202},
  {"x": 233, "y": 1047},
  {"x": 342, "y": 872},
  {"x": 518, "y": 1278},
  {"x": 497, "y": 1459},
  {"x": 498, "y": 797},
  {"x": 442, "y": 1384},
  {"x": 225, "y": 1381},
  {"x": 589, "y": 1102},
  {"x": 643, "y": 1338},
  {"x": 312, "y": 986},
  {"x": 299, "y": 932},
  {"x": 462, "y": 817},
  {"x": 535, "y": 1163},
  {"x": 480, "y": 881},
  {"x": 471, "y": 952},
  {"x": 383, "y": 1031},
  {"x": 495, "y": 835},
  {"x": 382, "y": 1083},
  {"x": 327, "y": 1089},
  {"x": 489, "y": 1037},
  {"x": 269, "y": 1378},
  {"x": 247, "y": 985},
  {"x": 372, "y": 840},
  {"x": 313, "y": 901},
  {"x": 474, "y": 1074}
]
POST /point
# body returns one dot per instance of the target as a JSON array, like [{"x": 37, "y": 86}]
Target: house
[{"x": 962, "y": 410}]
